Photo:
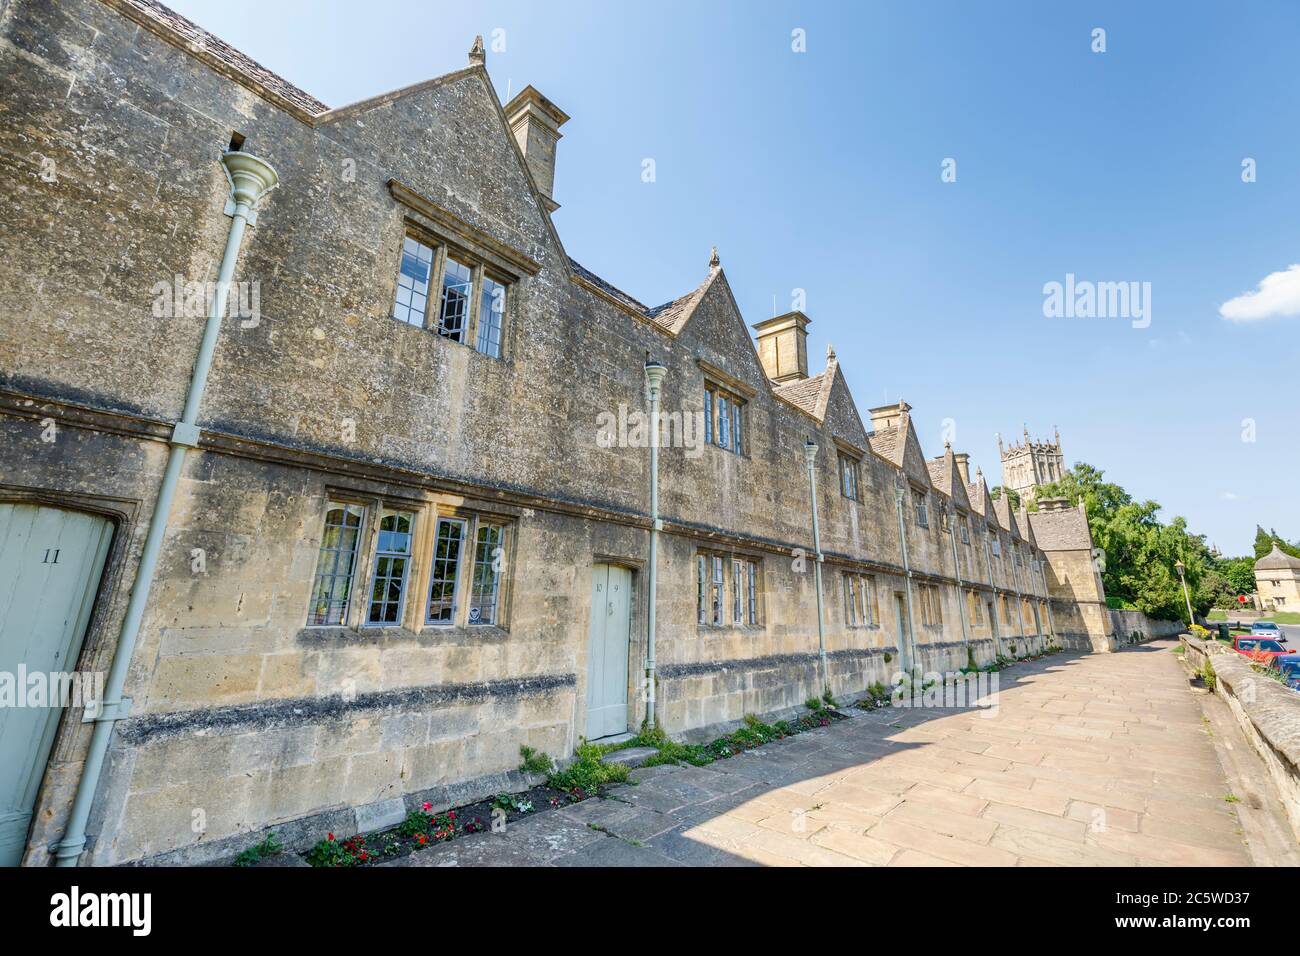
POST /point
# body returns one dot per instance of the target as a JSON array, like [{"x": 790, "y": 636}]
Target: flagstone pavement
[{"x": 1088, "y": 760}]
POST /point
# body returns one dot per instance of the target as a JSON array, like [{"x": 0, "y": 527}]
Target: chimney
[
  {"x": 536, "y": 123},
  {"x": 887, "y": 416},
  {"x": 783, "y": 346},
  {"x": 1052, "y": 504},
  {"x": 963, "y": 466}
]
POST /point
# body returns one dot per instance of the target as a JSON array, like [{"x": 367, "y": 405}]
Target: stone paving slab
[{"x": 1088, "y": 760}]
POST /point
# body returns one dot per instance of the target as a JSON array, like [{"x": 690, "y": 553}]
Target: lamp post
[
  {"x": 810, "y": 455},
  {"x": 654, "y": 377},
  {"x": 1178, "y": 565}
]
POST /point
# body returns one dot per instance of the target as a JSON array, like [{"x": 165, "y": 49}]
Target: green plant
[
  {"x": 414, "y": 824},
  {"x": 535, "y": 762},
  {"x": 331, "y": 853},
  {"x": 1208, "y": 675},
  {"x": 1231, "y": 798},
  {"x": 586, "y": 773},
  {"x": 270, "y": 846},
  {"x": 511, "y": 804}
]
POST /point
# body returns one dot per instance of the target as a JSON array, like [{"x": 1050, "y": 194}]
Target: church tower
[{"x": 1033, "y": 463}]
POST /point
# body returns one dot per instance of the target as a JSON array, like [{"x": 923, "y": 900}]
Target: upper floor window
[
  {"x": 457, "y": 289},
  {"x": 413, "y": 278},
  {"x": 922, "y": 511},
  {"x": 964, "y": 523},
  {"x": 724, "y": 420},
  {"x": 849, "y": 476},
  {"x": 996, "y": 543},
  {"x": 491, "y": 313},
  {"x": 457, "y": 312}
]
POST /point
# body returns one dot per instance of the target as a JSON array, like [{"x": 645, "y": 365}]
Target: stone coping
[{"x": 1268, "y": 711}]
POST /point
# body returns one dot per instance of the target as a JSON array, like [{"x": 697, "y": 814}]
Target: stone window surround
[
  {"x": 730, "y": 560},
  {"x": 443, "y": 231},
  {"x": 857, "y": 584},
  {"x": 427, "y": 512},
  {"x": 442, "y": 250},
  {"x": 739, "y": 394}
]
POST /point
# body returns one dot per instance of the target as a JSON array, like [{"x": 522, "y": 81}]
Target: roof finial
[
  {"x": 714, "y": 261},
  {"x": 477, "y": 54},
  {"x": 830, "y": 352}
]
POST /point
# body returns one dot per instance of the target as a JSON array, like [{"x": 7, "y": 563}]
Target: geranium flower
[{"x": 427, "y": 806}]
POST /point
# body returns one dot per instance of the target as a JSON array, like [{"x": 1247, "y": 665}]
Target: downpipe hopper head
[{"x": 250, "y": 179}]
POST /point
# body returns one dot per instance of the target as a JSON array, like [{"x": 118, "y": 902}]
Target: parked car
[
  {"x": 1289, "y": 666},
  {"x": 1267, "y": 629},
  {"x": 1262, "y": 650}
]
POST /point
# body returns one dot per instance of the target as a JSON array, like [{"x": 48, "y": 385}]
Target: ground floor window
[
  {"x": 392, "y": 563},
  {"x": 931, "y": 605},
  {"x": 859, "y": 600},
  {"x": 460, "y": 566},
  {"x": 724, "y": 598},
  {"x": 332, "y": 586}
]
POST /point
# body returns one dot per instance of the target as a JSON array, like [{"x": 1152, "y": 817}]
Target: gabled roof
[
  {"x": 1006, "y": 517},
  {"x": 945, "y": 477},
  {"x": 1277, "y": 560},
  {"x": 977, "y": 493},
  {"x": 1022, "y": 522},
  {"x": 1064, "y": 530},
  {"x": 219, "y": 54},
  {"x": 806, "y": 393},
  {"x": 889, "y": 443}
]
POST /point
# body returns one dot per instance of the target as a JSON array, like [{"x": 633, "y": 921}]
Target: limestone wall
[
  {"x": 1268, "y": 712},
  {"x": 244, "y": 719}
]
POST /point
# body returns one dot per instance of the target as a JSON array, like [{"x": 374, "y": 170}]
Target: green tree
[
  {"x": 1013, "y": 496},
  {"x": 1140, "y": 550},
  {"x": 1264, "y": 541}
]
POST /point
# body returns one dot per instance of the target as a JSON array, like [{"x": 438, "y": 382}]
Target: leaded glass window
[
  {"x": 392, "y": 564},
  {"x": 485, "y": 588},
  {"x": 413, "y": 279},
  {"x": 457, "y": 284},
  {"x": 447, "y": 546},
  {"x": 491, "y": 315},
  {"x": 335, "y": 565}
]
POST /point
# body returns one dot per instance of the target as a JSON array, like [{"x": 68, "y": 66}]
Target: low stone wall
[
  {"x": 1268, "y": 712},
  {"x": 1128, "y": 623}
]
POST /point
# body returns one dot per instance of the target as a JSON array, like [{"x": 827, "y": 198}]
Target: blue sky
[{"x": 821, "y": 170}]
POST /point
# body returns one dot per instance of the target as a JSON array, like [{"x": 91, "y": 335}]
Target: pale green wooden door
[
  {"x": 50, "y": 564},
  {"x": 611, "y": 628}
]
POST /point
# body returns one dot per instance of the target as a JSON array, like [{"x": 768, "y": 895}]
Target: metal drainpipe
[
  {"x": 810, "y": 454},
  {"x": 250, "y": 179},
  {"x": 654, "y": 376},
  {"x": 956, "y": 570},
  {"x": 993, "y": 624},
  {"x": 1047, "y": 597},
  {"x": 1020, "y": 601},
  {"x": 907, "y": 584}
]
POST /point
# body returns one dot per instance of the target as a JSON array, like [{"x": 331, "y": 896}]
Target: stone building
[
  {"x": 1033, "y": 463},
  {"x": 410, "y": 522},
  {"x": 1277, "y": 581}
]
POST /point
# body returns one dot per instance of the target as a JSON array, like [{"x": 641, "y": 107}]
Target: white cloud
[
  {"x": 1278, "y": 294},
  {"x": 1229, "y": 496}
]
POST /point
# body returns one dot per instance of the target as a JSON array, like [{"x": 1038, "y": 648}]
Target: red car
[{"x": 1262, "y": 650}]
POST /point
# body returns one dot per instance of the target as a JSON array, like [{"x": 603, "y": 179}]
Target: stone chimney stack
[
  {"x": 783, "y": 346},
  {"x": 963, "y": 466},
  {"x": 887, "y": 416},
  {"x": 535, "y": 122},
  {"x": 1052, "y": 504}
]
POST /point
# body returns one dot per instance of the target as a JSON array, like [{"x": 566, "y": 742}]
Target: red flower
[
  {"x": 423, "y": 839},
  {"x": 363, "y": 856},
  {"x": 331, "y": 838}
]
